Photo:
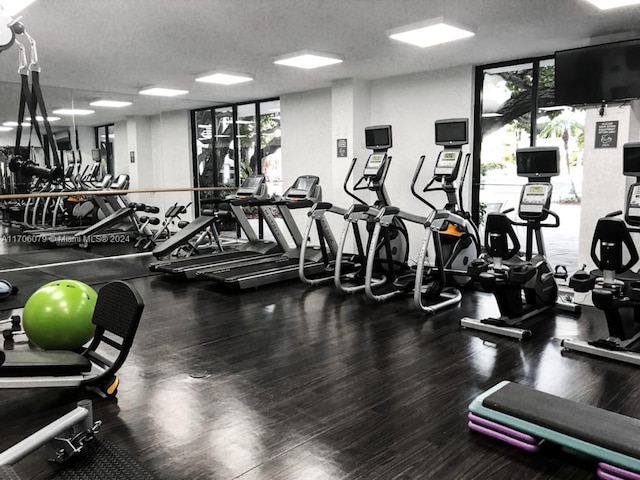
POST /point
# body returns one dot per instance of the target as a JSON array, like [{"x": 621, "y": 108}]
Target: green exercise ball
[{"x": 58, "y": 315}]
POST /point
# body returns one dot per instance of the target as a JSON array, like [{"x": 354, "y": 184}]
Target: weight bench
[
  {"x": 524, "y": 417},
  {"x": 116, "y": 315}
]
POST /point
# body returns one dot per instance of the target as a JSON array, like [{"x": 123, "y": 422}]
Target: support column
[{"x": 604, "y": 187}]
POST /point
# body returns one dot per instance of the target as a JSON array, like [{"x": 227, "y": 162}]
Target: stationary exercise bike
[
  {"x": 523, "y": 287},
  {"x": 614, "y": 287},
  {"x": 449, "y": 230}
]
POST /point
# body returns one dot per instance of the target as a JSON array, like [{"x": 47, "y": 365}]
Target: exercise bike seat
[{"x": 31, "y": 363}]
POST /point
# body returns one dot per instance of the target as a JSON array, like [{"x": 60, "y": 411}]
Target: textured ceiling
[{"x": 118, "y": 46}]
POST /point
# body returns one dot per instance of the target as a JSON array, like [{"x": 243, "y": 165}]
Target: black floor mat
[{"x": 101, "y": 460}]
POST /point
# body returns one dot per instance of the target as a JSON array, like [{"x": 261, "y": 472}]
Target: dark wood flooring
[{"x": 290, "y": 382}]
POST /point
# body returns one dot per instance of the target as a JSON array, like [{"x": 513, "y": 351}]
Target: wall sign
[
  {"x": 132, "y": 157},
  {"x": 607, "y": 134},
  {"x": 342, "y": 147}
]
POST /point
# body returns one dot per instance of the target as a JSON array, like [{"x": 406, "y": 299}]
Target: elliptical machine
[
  {"x": 615, "y": 289},
  {"x": 449, "y": 230},
  {"x": 522, "y": 287},
  {"x": 389, "y": 255}
]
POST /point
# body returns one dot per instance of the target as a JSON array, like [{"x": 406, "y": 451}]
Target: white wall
[{"x": 311, "y": 121}]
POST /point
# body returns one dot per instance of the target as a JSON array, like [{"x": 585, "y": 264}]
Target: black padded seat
[
  {"x": 42, "y": 363},
  {"x": 604, "y": 428},
  {"x": 627, "y": 276}
]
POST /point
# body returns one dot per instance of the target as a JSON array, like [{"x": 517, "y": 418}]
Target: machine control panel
[
  {"x": 374, "y": 165},
  {"x": 250, "y": 187},
  {"x": 633, "y": 205},
  {"x": 447, "y": 163},
  {"x": 535, "y": 197}
]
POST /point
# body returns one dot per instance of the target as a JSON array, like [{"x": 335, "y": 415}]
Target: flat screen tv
[
  {"x": 599, "y": 73},
  {"x": 378, "y": 137},
  {"x": 631, "y": 159},
  {"x": 452, "y": 132},
  {"x": 535, "y": 162}
]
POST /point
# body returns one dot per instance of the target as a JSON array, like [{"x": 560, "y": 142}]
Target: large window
[
  {"x": 515, "y": 107},
  {"x": 234, "y": 141}
]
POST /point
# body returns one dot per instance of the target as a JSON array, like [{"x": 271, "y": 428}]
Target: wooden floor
[{"x": 290, "y": 382}]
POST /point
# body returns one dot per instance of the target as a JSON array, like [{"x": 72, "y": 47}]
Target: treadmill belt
[
  {"x": 221, "y": 275},
  {"x": 200, "y": 260},
  {"x": 600, "y": 427}
]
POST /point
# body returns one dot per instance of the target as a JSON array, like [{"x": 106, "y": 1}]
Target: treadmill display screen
[{"x": 305, "y": 183}]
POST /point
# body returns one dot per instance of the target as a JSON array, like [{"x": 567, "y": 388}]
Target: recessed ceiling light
[
  {"x": 73, "y": 111},
  {"x": 12, "y": 7},
  {"x": 308, "y": 59},
  {"x": 222, "y": 78},
  {"x": 15, "y": 124},
  {"x": 491, "y": 115},
  {"x": 163, "y": 92},
  {"x": 5, "y": 129},
  {"x": 110, "y": 103},
  {"x": 609, "y": 4},
  {"x": 431, "y": 32}
]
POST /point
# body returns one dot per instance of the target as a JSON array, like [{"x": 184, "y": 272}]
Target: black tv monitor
[
  {"x": 591, "y": 75},
  {"x": 631, "y": 159},
  {"x": 95, "y": 155},
  {"x": 452, "y": 132},
  {"x": 538, "y": 162},
  {"x": 378, "y": 137}
]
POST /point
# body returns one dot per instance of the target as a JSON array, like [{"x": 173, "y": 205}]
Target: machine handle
[
  {"x": 614, "y": 214},
  {"x": 555, "y": 216}
]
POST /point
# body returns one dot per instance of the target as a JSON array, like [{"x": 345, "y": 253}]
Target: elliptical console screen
[
  {"x": 378, "y": 138},
  {"x": 535, "y": 197},
  {"x": 538, "y": 162},
  {"x": 452, "y": 132},
  {"x": 374, "y": 164},
  {"x": 631, "y": 159},
  {"x": 447, "y": 162},
  {"x": 633, "y": 205}
]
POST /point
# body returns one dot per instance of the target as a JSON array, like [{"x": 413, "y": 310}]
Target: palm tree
[{"x": 564, "y": 125}]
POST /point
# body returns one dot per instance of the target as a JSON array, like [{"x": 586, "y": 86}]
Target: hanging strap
[{"x": 39, "y": 100}]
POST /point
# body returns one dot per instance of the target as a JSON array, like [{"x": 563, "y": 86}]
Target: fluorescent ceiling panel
[
  {"x": 5, "y": 129},
  {"x": 110, "y": 103},
  {"x": 73, "y": 111},
  {"x": 431, "y": 32},
  {"x": 15, "y": 124},
  {"x": 163, "y": 92},
  {"x": 222, "y": 78},
  {"x": 39, "y": 118},
  {"x": 308, "y": 59},
  {"x": 609, "y": 4},
  {"x": 13, "y": 7}
]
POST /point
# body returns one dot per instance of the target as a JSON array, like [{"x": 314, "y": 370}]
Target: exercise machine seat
[
  {"x": 45, "y": 363},
  {"x": 117, "y": 313}
]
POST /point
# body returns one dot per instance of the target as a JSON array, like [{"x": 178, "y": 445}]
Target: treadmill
[
  {"x": 252, "y": 192},
  {"x": 304, "y": 193}
]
